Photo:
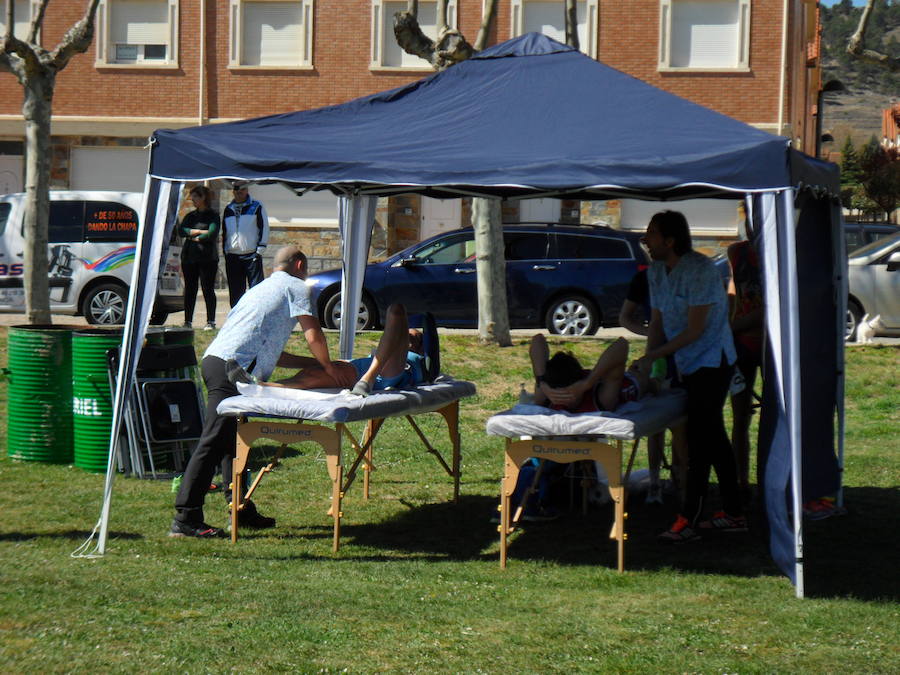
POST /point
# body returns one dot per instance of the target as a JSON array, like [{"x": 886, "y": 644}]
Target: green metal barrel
[
  {"x": 155, "y": 335},
  {"x": 178, "y": 335},
  {"x": 40, "y": 393},
  {"x": 92, "y": 396}
]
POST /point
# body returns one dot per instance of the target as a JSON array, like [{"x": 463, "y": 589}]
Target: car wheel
[
  {"x": 572, "y": 315},
  {"x": 854, "y": 316},
  {"x": 365, "y": 319},
  {"x": 105, "y": 304}
]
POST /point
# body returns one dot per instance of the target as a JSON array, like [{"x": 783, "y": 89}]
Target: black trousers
[
  {"x": 708, "y": 442},
  {"x": 204, "y": 273},
  {"x": 243, "y": 272},
  {"x": 216, "y": 446}
]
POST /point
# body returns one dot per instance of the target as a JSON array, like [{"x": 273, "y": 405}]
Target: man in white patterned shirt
[{"x": 254, "y": 335}]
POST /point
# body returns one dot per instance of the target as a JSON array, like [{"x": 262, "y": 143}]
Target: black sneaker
[
  {"x": 250, "y": 517},
  {"x": 199, "y": 530},
  {"x": 235, "y": 373}
]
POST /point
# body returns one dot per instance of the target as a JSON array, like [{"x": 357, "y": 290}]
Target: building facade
[{"x": 176, "y": 63}]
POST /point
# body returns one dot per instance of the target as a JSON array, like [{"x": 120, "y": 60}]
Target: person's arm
[
  {"x": 628, "y": 320},
  {"x": 183, "y": 228},
  {"x": 288, "y": 360},
  {"x": 262, "y": 223},
  {"x": 318, "y": 346},
  {"x": 212, "y": 228},
  {"x": 697, "y": 315}
]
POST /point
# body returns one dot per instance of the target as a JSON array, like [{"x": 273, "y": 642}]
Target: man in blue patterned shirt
[
  {"x": 689, "y": 319},
  {"x": 254, "y": 335}
]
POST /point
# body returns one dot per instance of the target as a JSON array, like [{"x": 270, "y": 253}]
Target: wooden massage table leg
[
  {"x": 508, "y": 486},
  {"x": 608, "y": 454},
  {"x": 372, "y": 427},
  {"x": 286, "y": 433}
]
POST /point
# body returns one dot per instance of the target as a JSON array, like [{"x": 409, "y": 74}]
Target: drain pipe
[
  {"x": 201, "y": 77},
  {"x": 783, "y": 76}
]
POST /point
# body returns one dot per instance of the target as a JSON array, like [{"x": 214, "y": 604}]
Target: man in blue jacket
[{"x": 245, "y": 233}]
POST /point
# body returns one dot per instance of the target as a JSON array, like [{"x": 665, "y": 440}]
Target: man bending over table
[
  {"x": 253, "y": 337},
  {"x": 396, "y": 363}
]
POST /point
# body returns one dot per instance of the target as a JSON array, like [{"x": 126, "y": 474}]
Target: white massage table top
[
  {"x": 632, "y": 420},
  {"x": 334, "y": 405}
]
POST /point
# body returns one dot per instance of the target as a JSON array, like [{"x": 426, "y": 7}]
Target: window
[
  {"x": 65, "y": 222},
  {"x": 574, "y": 247},
  {"x": 24, "y": 10},
  {"x": 525, "y": 245},
  {"x": 386, "y": 53},
  {"x": 137, "y": 32},
  {"x": 271, "y": 33},
  {"x": 704, "y": 34},
  {"x": 5, "y": 208},
  {"x": 447, "y": 251},
  {"x": 549, "y": 17}
]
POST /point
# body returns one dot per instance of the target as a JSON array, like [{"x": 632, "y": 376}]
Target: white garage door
[
  {"x": 117, "y": 169},
  {"x": 714, "y": 216},
  {"x": 283, "y": 205}
]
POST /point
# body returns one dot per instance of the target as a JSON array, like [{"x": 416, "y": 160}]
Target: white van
[{"x": 91, "y": 246}]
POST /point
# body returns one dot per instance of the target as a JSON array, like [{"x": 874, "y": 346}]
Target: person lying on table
[
  {"x": 396, "y": 363},
  {"x": 563, "y": 384}
]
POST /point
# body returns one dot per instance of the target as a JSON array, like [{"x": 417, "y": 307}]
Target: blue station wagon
[{"x": 569, "y": 279}]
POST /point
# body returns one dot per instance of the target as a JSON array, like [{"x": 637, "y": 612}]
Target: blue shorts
[{"x": 413, "y": 374}]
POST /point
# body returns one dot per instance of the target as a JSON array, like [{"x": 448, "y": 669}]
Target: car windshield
[{"x": 875, "y": 247}]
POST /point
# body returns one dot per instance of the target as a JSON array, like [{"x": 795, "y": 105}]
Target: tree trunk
[
  {"x": 572, "y": 23},
  {"x": 493, "y": 314},
  {"x": 856, "y": 48},
  {"x": 37, "y": 111}
]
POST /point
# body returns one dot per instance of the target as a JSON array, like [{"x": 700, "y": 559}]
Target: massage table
[
  {"x": 321, "y": 416},
  {"x": 535, "y": 431}
]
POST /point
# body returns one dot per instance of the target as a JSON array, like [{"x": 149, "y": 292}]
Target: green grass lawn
[{"x": 417, "y": 586}]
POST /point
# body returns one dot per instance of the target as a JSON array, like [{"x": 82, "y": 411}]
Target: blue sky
[{"x": 829, "y": 3}]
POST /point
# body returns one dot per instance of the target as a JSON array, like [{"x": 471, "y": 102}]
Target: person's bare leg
[
  {"x": 313, "y": 377},
  {"x": 389, "y": 358},
  {"x": 539, "y": 353},
  {"x": 610, "y": 369},
  {"x": 741, "y": 412},
  {"x": 680, "y": 459}
]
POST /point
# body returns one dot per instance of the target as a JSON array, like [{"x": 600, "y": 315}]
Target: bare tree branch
[
  {"x": 77, "y": 39},
  {"x": 572, "y": 23},
  {"x": 487, "y": 19},
  {"x": 855, "y": 44},
  {"x": 449, "y": 48},
  {"x": 37, "y": 21},
  {"x": 441, "y": 18}
]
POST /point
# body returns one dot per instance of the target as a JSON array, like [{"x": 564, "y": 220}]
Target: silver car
[{"x": 874, "y": 285}]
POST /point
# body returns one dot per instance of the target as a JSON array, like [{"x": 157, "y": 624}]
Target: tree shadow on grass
[{"x": 73, "y": 535}]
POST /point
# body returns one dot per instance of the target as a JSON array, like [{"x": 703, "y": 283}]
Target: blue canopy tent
[{"x": 534, "y": 118}]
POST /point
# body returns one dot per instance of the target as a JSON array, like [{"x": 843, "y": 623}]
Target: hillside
[{"x": 856, "y": 111}]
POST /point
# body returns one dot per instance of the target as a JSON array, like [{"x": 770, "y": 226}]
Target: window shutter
[
  {"x": 140, "y": 22},
  {"x": 705, "y": 34},
  {"x": 271, "y": 33}
]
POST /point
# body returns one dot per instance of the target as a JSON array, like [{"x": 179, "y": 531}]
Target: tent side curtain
[
  {"x": 160, "y": 211},
  {"x": 356, "y": 215}
]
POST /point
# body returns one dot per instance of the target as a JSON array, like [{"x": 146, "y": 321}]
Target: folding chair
[{"x": 165, "y": 407}]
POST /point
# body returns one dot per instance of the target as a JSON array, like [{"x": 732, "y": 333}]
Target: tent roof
[{"x": 528, "y": 116}]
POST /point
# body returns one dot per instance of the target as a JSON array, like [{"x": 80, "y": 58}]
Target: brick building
[{"x": 176, "y": 63}]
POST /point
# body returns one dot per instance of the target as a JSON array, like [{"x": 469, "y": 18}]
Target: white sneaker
[{"x": 210, "y": 325}]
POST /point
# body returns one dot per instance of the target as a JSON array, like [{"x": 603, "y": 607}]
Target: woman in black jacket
[{"x": 199, "y": 255}]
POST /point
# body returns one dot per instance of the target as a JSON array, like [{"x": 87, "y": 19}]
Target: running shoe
[
  {"x": 198, "y": 530},
  {"x": 680, "y": 532},
  {"x": 722, "y": 522}
]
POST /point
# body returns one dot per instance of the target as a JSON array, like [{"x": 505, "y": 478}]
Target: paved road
[{"x": 222, "y": 308}]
